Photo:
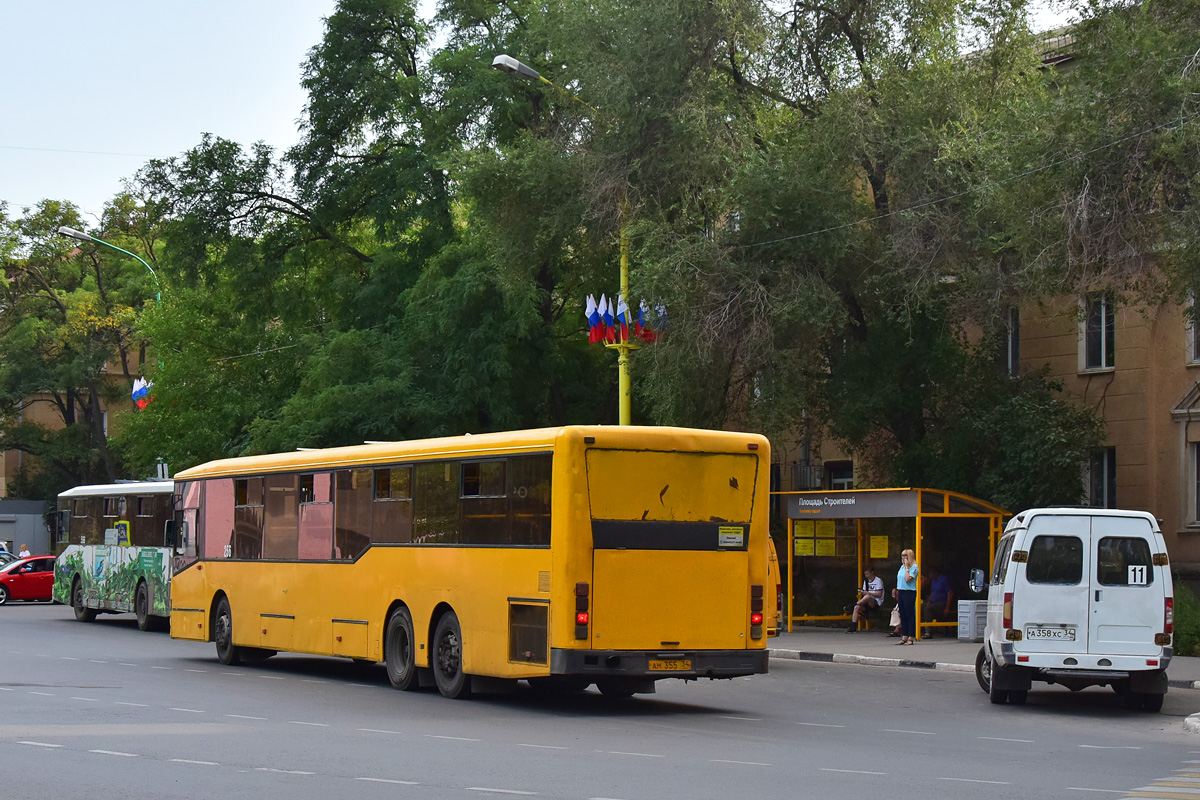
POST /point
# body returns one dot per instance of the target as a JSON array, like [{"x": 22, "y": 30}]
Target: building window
[
  {"x": 841, "y": 474},
  {"x": 1102, "y": 478},
  {"x": 1192, "y": 330},
  {"x": 1099, "y": 324},
  {"x": 1196, "y": 483}
]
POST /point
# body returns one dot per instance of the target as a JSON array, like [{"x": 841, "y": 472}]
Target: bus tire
[
  {"x": 227, "y": 653},
  {"x": 141, "y": 607},
  {"x": 1153, "y": 702},
  {"x": 398, "y": 653},
  {"x": 82, "y": 612},
  {"x": 452, "y": 682}
]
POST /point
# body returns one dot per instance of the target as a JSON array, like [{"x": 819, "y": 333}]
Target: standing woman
[{"x": 906, "y": 596}]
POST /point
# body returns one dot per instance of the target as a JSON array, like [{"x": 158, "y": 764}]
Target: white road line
[
  {"x": 543, "y": 746},
  {"x": 40, "y": 744},
  {"x": 312, "y": 680},
  {"x": 852, "y": 771},
  {"x": 313, "y": 724},
  {"x": 973, "y": 780},
  {"x": 744, "y": 763},
  {"x": 195, "y": 670},
  {"x": 95, "y": 661},
  {"x": 1170, "y": 787},
  {"x": 188, "y": 710},
  {"x": 377, "y": 730},
  {"x": 359, "y": 685},
  {"x": 44, "y": 694},
  {"x": 497, "y": 791},
  {"x": 122, "y": 703},
  {"x": 454, "y": 738},
  {"x": 1086, "y": 789},
  {"x": 166, "y": 668},
  {"x": 243, "y": 716},
  {"x": 127, "y": 664},
  {"x": 820, "y": 725},
  {"x": 1002, "y": 739},
  {"x": 114, "y": 753},
  {"x": 283, "y": 771},
  {"x": 191, "y": 761},
  {"x": 919, "y": 733},
  {"x": 604, "y": 798},
  {"x": 68, "y": 658},
  {"x": 7, "y": 689},
  {"x": 88, "y": 699},
  {"x": 388, "y": 780},
  {"x": 743, "y": 719},
  {"x": 271, "y": 677},
  {"x": 1110, "y": 747},
  {"x": 623, "y": 753}
]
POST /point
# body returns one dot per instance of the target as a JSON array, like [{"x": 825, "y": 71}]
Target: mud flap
[
  {"x": 1150, "y": 681},
  {"x": 1010, "y": 679}
]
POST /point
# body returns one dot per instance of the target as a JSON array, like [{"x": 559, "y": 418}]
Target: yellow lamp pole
[{"x": 512, "y": 66}]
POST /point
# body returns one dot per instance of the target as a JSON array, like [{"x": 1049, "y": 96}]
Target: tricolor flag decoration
[
  {"x": 622, "y": 319},
  {"x": 594, "y": 320},
  {"x": 616, "y": 322},
  {"x": 606, "y": 313},
  {"x": 141, "y": 392}
]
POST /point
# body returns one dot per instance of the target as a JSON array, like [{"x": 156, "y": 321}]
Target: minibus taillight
[
  {"x": 581, "y": 611},
  {"x": 1168, "y": 615},
  {"x": 756, "y": 611},
  {"x": 1008, "y": 610}
]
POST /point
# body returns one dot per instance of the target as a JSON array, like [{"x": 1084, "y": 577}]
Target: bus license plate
[
  {"x": 1065, "y": 634},
  {"x": 670, "y": 666}
]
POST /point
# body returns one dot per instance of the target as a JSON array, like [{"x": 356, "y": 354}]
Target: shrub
[{"x": 1187, "y": 621}]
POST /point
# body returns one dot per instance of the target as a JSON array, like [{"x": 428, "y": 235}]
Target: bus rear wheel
[
  {"x": 82, "y": 612},
  {"x": 398, "y": 651},
  {"x": 448, "y": 672},
  {"x": 227, "y": 652},
  {"x": 141, "y": 607}
]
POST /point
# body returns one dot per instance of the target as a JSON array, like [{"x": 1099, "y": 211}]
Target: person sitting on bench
[{"x": 869, "y": 597}]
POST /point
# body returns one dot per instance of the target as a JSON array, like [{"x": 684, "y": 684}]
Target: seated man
[
  {"x": 869, "y": 597},
  {"x": 939, "y": 606}
]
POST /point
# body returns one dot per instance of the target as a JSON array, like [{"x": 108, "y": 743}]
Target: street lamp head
[
  {"x": 513, "y": 67},
  {"x": 74, "y": 234}
]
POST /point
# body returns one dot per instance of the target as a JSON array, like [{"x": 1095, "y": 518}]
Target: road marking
[
  {"x": 153, "y": 667},
  {"x": 359, "y": 685},
  {"x": 1110, "y": 747},
  {"x": 852, "y": 771},
  {"x": 94, "y": 661},
  {"x": 283, "y": 771},
  {"x": 622, "y": 753},
  {"x": 88, "y": 699},
  {"x": 1192, "y": 787},
  {"x": 191, "y": 761},
  {"x": 388, "y": 780},
  {"x": 453, "y": 738},
  {"x": 314, "y": 680},
  {"x": 243, "y": 716},
  {"x": 44, "y": 694},
  {"x": 313, "y": 724},
  {"x": 497, "y": 791},
  {"x": 377, "y": 730},
  {"x": 919, "y": 733},
  {"x": 743, "y": 719},
  {"x": 1165, "y": 795},
  {"x": 543, "y": 746},
  {"x": 820, "y": 725},
  {"x": 122, "y": 703},
  {"x": 1002, "y": 739},
  {"x": 271, "y": 677},
  {"x": 1085, "y": 789},
  {"x": 114, "y": 753},
  {"x": 195, "y": 670},
  {"x": 188, "y": 710},
  {"x": 744, "y": 763},
  {"x": 973, "y": 780},
  {"x": 126, "y": 664},
  {"x": 40, "y": 744},
  {"x": 68, "y": 658},
  {"x": 7, "y": 689}
]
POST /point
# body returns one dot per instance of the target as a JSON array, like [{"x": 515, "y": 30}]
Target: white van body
[{"x": 1079, "y": 597}]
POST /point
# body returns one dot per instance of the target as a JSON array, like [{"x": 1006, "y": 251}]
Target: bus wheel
[
  {"x": 448, "y": 672},
  {"x": 1153, "y": 702},
  {"x": 82, "y": 612},
  {"x": 398, "y": 651},
  {"x": 227, "y": 653},
  {"x": 141, "y": 607}
]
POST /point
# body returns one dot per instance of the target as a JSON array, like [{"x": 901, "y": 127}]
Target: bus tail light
[
  {"x": 1008, "y": 615},
  {"x": 756, "y": 611},
  {"x": 581, "y": 611}
]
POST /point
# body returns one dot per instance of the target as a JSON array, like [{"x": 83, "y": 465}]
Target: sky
[{"x": 93, "y": 90}]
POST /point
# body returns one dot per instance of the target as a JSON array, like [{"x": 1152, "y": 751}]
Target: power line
[{"x": 987, "y": 184}]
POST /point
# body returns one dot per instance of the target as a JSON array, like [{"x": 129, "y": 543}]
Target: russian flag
[
  {"x": 606, "y": 312},
  {"x": 141, "y": 392},
  {"x": 622, "y": 319},
  {"x": 595, "y": 331}
]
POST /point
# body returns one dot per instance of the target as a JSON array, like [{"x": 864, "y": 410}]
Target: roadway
[{"x": 103, "y": 711}]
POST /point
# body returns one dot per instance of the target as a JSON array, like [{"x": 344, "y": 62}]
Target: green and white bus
[{"x": 114, "y": 547}]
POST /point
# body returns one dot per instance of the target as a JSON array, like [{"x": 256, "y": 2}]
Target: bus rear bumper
[{"x": 686, "y": 664}]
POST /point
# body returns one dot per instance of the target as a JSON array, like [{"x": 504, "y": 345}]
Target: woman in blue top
[{"x": 906, "y": 596}]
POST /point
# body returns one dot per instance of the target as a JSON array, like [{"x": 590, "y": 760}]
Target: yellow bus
[{"x": 614, "y": 556}]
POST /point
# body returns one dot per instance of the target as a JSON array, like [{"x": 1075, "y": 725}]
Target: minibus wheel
[{"x": 983, "y": 671}]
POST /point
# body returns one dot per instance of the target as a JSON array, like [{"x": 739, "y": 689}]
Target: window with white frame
[
  {"x": 1195, "y": 509},
  {"x": 1192, "y": 330},
  {"x": 1102, "y": 478},
  {"x": 1098, "y": 334}
]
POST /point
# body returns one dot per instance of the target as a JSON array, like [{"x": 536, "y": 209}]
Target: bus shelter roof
[{"x": 886, "y": 503}]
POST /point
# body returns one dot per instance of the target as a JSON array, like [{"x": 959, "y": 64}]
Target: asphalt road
[{"x": 101, "y": 710}]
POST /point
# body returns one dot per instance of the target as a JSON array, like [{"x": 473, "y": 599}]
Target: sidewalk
[{"x": 874, "y": 648}]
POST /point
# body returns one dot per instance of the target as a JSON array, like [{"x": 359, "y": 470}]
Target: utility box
[{"x": 972, "y": 620}]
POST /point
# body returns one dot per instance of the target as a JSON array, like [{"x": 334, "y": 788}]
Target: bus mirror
[
  {"x": 978, "y": 581},
  {"x": 169, "y": 532}
]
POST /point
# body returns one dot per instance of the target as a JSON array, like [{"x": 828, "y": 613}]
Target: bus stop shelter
[{"x": 834, "y": 535}]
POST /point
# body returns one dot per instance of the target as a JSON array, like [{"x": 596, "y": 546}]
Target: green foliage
[{"x": 1187, "y": 621}]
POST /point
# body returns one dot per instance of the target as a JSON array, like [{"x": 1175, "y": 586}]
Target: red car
[{"x": 29, "y": 578}]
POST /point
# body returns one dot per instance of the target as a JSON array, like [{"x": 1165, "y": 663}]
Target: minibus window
[
  {"x": 1124, "y": 561},
  {"x": 1000, "y": 568},
  {"x": 1055, "y": 559}
]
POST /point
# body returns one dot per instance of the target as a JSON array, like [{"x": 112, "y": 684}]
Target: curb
[{"x": 1192, "y": 723}]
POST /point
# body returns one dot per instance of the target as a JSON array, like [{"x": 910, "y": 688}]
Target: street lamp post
[
  {"x": 84, "y": 237},
  {"x": 512, "y": 66}
]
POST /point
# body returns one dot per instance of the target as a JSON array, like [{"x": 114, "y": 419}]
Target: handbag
[{"x": 895, "y": 620}]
